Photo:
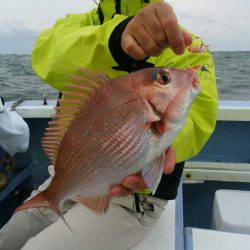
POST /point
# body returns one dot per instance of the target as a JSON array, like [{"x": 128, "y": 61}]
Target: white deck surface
[
  {"x": 201, "y": 239},
  {"x": 58, "y": 236}
]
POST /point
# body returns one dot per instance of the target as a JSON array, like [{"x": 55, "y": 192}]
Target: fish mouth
[
  {"x": 156, "y": 112},
  {"x": 159, "y": 115},
  {"x": 154, "y": 129},
  {"x": 157, "y": 126}
]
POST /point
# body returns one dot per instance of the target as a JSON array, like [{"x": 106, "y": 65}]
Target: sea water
[{"x": 18, "y": 80}]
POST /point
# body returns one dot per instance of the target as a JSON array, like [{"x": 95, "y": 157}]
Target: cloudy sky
[{"x": 223, "y": 24}]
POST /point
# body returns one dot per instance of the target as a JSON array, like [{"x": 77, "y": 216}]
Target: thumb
[{"x": 170, "y": 161}]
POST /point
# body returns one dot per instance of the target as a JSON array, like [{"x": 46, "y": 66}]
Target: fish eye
[{"x": 164, "y": 78}]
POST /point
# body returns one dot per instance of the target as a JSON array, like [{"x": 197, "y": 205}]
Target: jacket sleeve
[
  {"x": 202, "y": 115},
  {"x": 72, "y": 42}
]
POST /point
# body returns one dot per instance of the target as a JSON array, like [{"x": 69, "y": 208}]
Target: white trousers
[{"x": 119, "y": 229}]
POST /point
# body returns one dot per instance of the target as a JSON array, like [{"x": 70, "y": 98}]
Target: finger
[
  {"x": 131, "y": 47},
  {"x": 172, "y": 30},
  {"x": 170, "y": 161},
  {"x": 146, "y": 42},
  {"x": 155, "y": 31},
  {"x": 187, "y": 38},
  {"x": 119, "y": 190},
  {"x": 134, "y": 182}
]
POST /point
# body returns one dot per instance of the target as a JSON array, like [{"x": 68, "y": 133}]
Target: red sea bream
[{"x": 106, "y": 129}]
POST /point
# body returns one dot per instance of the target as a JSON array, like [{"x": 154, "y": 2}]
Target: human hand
[
  {"x": 135, "y": 183},
  {"x": 151, "y": 30}
]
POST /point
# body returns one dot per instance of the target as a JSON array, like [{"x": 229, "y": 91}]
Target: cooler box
[{"x": 231, "y": 211}]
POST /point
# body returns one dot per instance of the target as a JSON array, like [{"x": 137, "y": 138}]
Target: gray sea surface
[{"x": 18, "y": 80}]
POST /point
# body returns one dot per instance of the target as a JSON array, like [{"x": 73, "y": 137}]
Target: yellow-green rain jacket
[{"x": 83, "y": 40}]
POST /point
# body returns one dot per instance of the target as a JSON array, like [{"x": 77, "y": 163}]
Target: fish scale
[
  {"x": 88, "y": 169},
  {"x": 134, "y": 138},
  {"x": 88, "y": 166},
  {"x": 112, "y": 155}
]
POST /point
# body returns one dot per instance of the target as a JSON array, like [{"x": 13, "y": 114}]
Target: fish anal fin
[
  {"x": 99, "y": 205},
  {"x": 152, "y": 173}
]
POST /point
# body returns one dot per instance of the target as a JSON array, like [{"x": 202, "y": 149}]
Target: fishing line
[
  {"x": 156, "y": 61},
  {"x": 187, "y": 60}
]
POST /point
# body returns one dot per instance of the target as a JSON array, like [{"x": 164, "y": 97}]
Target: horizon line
[{"x": 4, "y": 53}]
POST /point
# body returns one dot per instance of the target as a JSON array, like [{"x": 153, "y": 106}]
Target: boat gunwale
[{"x": 228, "y": 110}]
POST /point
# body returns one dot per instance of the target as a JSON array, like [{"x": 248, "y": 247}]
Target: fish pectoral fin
[
  {"x": 152, "y": 173},
  {"x": 99, "y": 205}
]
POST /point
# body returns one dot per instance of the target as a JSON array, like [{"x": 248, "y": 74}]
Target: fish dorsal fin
[{"x": 74, "y": 97}]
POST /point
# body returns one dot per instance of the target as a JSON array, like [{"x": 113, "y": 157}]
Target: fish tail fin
[{"x": 42, "y": 200}]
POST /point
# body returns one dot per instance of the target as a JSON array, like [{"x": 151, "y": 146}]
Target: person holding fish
[{"x": 118, "y": 141}]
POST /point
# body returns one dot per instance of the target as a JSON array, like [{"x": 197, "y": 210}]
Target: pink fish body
[{"x": 107, "y": 129}]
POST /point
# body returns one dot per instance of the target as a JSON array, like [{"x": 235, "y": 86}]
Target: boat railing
[{"x": 226, "y": 156}]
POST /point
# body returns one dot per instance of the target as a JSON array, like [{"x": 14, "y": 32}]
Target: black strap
[
  {"x": 168, "y": 186},
  {"x": 124, "y": 61},
  {"x": 137, "y": 203},
  {"x": 118, "y": 6},
  {"x": 100, "y": 14}
]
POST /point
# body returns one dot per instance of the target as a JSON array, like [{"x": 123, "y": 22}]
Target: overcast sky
[{"x": 223, "y": 24}]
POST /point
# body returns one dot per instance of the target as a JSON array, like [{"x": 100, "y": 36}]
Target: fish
[{"x": 106, "y": 129}]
